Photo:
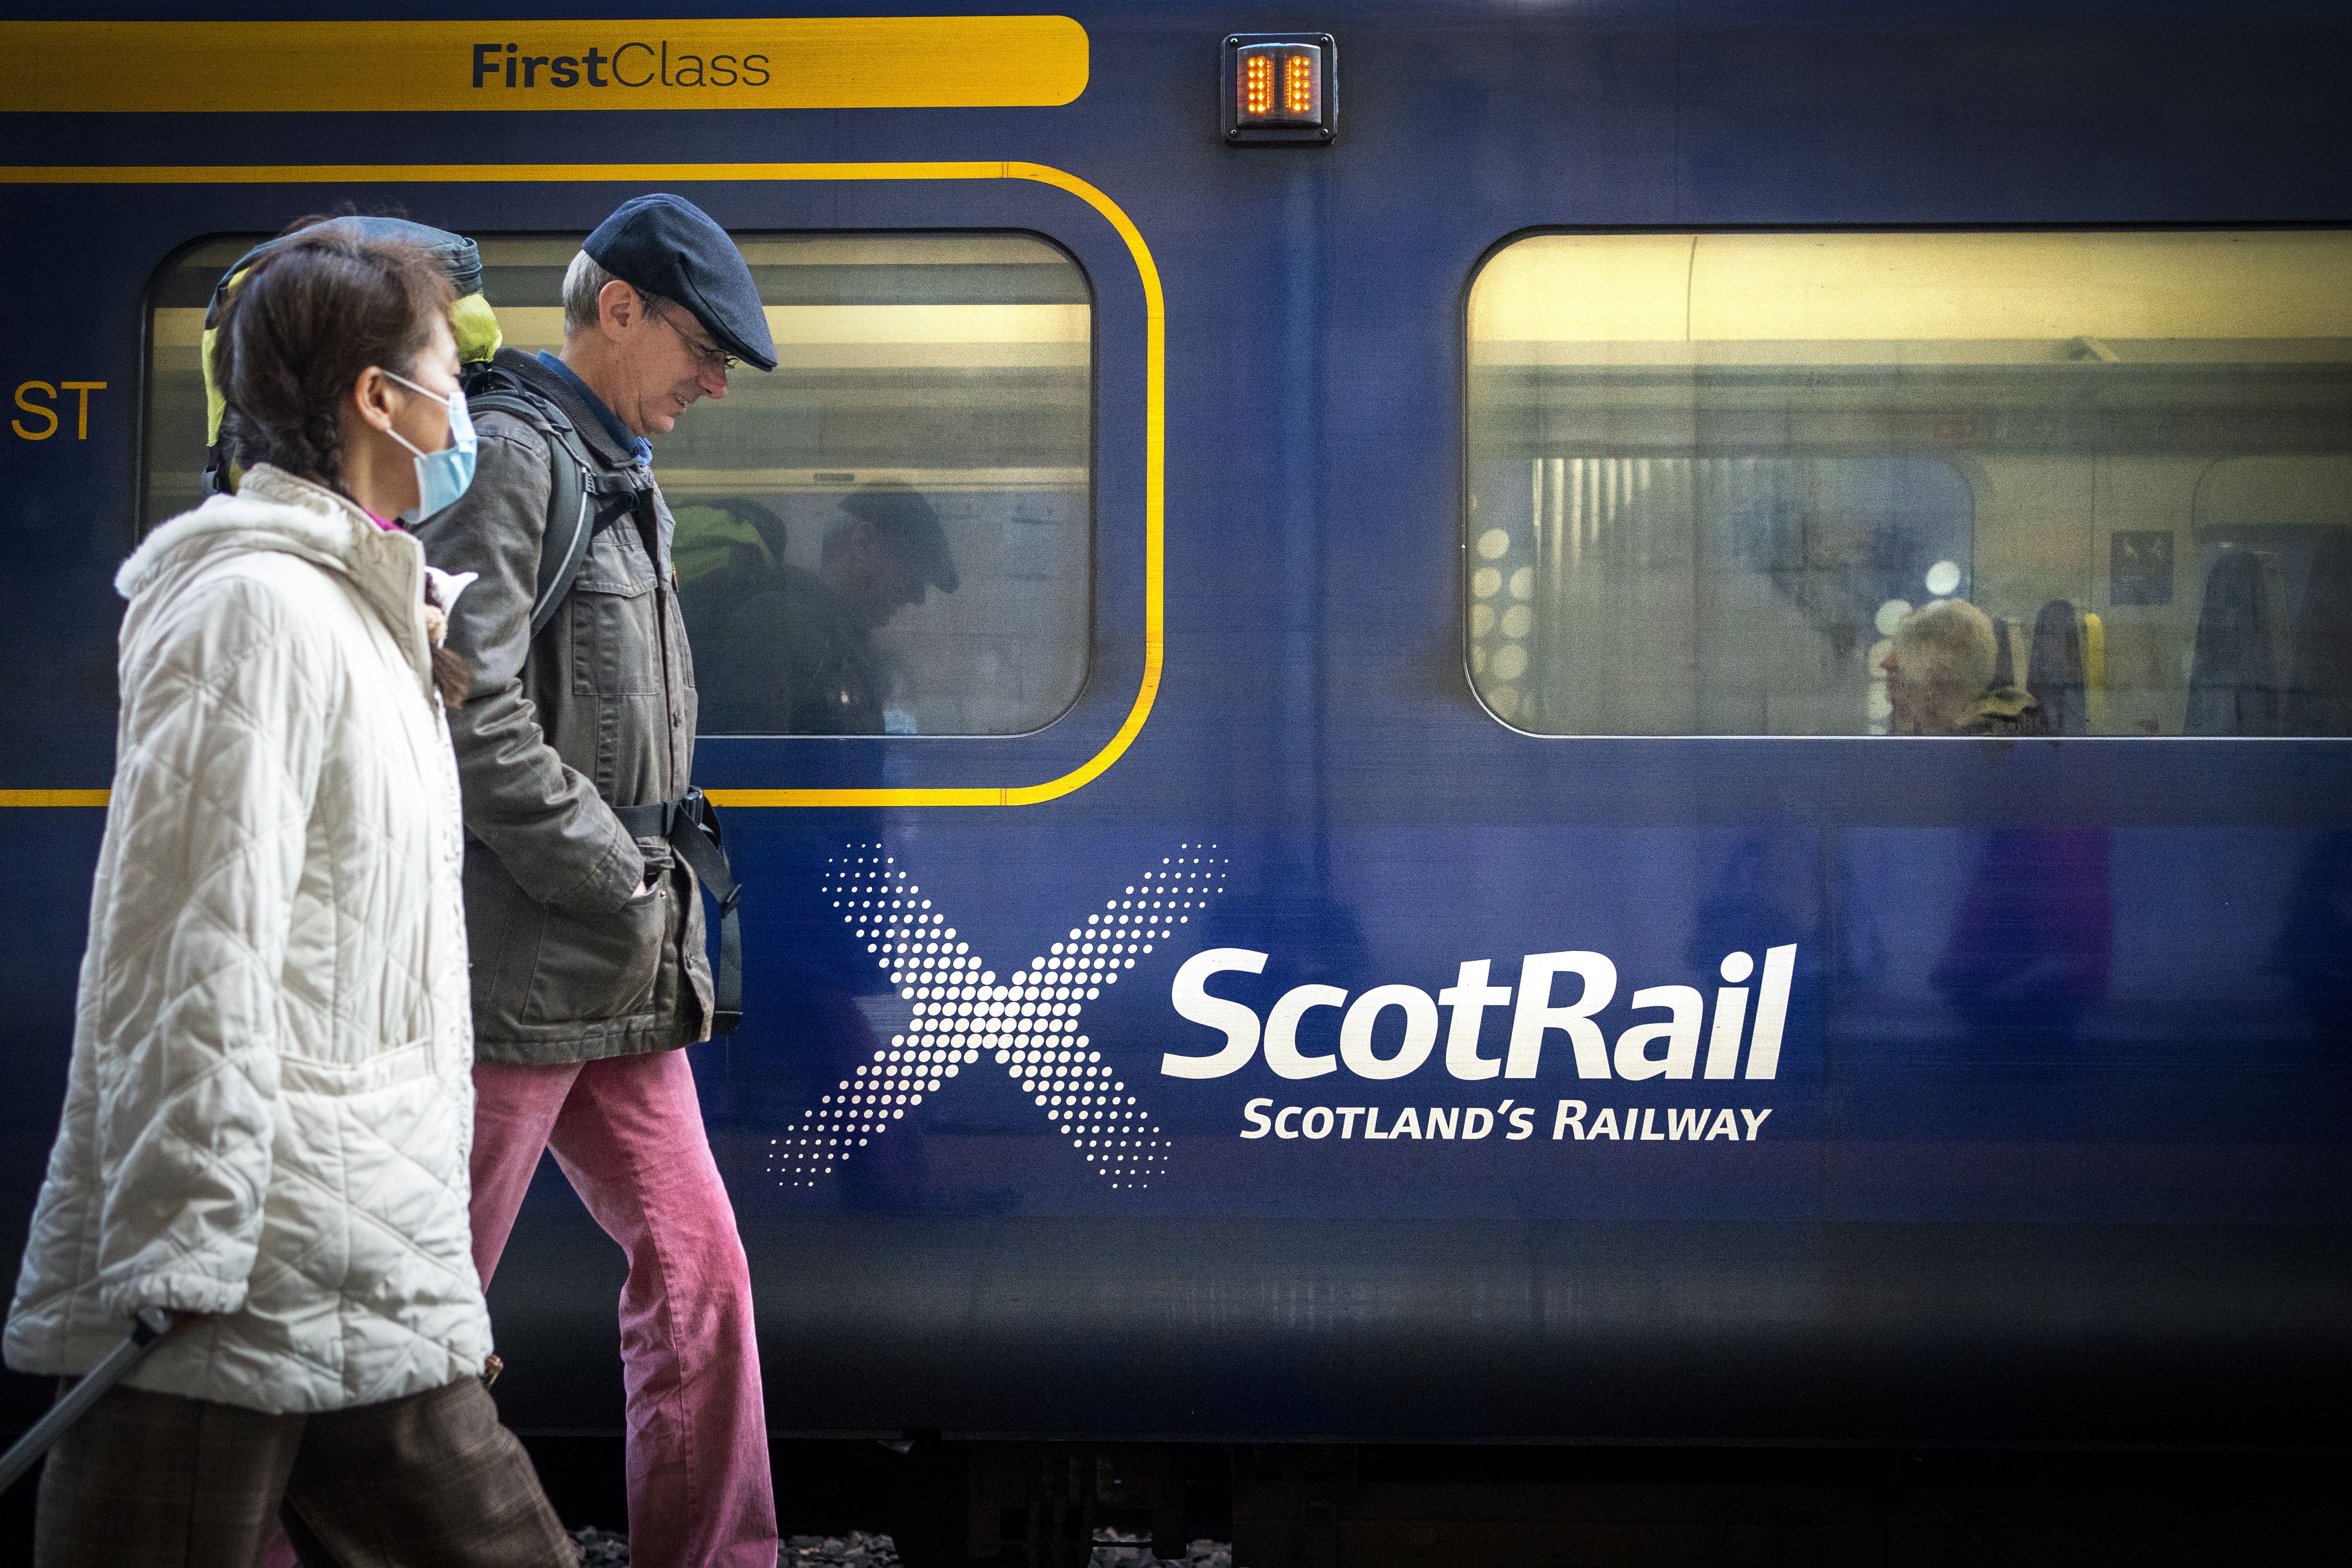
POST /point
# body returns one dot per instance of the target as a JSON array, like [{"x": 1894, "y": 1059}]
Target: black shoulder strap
[
  {"x": 572, "y": 479},
  {"x": 690, "y": 824}
]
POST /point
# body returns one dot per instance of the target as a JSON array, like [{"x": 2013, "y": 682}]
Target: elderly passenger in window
[{"x": 1939, "y": 677}]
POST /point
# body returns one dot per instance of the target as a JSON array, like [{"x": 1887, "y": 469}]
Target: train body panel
[{"x": 2028, "y": 1120}]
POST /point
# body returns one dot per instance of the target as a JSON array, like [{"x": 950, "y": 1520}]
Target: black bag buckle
[{"x": 691, "y": 825}]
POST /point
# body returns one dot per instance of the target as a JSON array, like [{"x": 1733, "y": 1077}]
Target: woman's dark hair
[
  {"x": 297, "y": 328},
  {"x": 294, "y": 334}
]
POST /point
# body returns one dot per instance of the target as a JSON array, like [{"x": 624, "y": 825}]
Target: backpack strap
[{"x": 572, "y": 481}]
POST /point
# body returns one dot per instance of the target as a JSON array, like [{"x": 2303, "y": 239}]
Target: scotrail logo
[
  {"x": 1662, "y": 1047},
  {"x": 1027, "y": 1022}
]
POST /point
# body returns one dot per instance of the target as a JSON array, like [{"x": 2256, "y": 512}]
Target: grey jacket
[{"x": 570, "y": 963}]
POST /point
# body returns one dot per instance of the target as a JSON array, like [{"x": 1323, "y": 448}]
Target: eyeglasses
[{"x": 708, "y": 356}]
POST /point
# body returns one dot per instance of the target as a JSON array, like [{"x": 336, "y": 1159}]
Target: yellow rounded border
[{"x": 1154, "y": 417}]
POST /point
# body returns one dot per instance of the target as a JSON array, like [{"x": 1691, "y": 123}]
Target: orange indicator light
[
  {"x": 1280, "y": 90},
  {"x": 1257, "y": 85},
  {"x": 1298, "y": 86}
]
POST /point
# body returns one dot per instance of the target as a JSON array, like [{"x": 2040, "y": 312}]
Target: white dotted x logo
[{"x": 1028, "y": 1020}]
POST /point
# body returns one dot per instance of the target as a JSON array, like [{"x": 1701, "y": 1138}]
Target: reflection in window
[
  {"x": 1714, "y": 595},
  {"x": 891, "y": 532},
  {"x": 1715, "y": 478},
  {"x": 172, "y": 432}
]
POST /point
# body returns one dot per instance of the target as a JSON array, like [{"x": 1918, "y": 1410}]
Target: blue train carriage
[{"x": 1391, "y": 900}]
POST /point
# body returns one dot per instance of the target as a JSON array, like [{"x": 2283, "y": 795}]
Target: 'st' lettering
[
  {"x": 81, "y": 420},
  {"x": 39, "y": 410}
]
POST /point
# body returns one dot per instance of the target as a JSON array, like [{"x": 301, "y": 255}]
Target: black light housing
[{"x": 1281, "y": 90}]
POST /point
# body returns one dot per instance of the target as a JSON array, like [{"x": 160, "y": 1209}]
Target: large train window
[
  {"x": 890, "y": 533},
  {"x": 1813, "y": 484}
]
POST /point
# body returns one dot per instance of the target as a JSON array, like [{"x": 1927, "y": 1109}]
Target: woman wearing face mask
[{"x": 271, "y": 1102}]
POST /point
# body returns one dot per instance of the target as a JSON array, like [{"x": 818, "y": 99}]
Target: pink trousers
[{"x": 627, "y": 1132}]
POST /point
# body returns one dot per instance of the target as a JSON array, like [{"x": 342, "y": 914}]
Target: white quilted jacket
[{"x": 272, "y": 1100}]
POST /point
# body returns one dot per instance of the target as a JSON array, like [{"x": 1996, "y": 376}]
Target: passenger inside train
[
  {"x": 1713, "y": 476},
  {"x": 1943, "y": 677}
]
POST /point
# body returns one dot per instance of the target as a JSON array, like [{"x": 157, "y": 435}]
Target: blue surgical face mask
[{"x": 441, "y": 476}]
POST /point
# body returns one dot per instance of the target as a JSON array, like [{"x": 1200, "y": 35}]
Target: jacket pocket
[
  {"x": 591, "y": 967},
  {"x": 615, "y": 640}
]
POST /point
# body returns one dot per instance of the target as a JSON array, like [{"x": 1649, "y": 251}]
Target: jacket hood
[{"x": 273, "y": 510}]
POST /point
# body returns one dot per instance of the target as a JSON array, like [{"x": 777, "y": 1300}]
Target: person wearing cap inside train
[
  {"x": 589, "y": 969},
  {"x": 796, "y": 657}
]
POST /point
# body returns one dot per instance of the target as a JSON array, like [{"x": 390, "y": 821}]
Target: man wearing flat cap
[
  {"x": 797, "y": 657},
  {"x": 586, "y": 931}
]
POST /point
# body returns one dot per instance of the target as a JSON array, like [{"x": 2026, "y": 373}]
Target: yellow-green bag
[{"x": 472, "y": 320}]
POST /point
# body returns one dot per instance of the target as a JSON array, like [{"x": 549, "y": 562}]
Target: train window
[
  {"x": 1720, "y": 484},
  {"x": 172, "y": 429},
  {"x": 892, "y": 532}
]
